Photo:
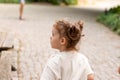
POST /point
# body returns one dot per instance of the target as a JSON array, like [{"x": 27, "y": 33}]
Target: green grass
[
  {"x": 55, "y": 2},
  {"x": 111, "y": 19},
  {"x": 71, "y": 2},
  {"x": 9, "y": 1}
]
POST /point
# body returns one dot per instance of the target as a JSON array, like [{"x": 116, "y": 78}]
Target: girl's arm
[{"x": 90, "y": 77}]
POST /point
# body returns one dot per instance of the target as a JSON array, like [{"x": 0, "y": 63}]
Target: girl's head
[{"x": 66, "y": 35}]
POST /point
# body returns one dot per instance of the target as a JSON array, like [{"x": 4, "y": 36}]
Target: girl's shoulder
[
  {"x": 54, "y": 59},
  {"x": 81, "y": 56}
]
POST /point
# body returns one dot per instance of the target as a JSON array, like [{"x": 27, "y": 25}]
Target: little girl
[{"x": 69, "y": 64}]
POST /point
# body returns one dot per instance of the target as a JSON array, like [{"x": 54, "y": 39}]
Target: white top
[
  {"x": 22, "y": 1},
  {"x": 67, "y": 66}
]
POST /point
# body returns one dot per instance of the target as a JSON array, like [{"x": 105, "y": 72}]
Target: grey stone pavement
[{"x": 100, "y": 45}]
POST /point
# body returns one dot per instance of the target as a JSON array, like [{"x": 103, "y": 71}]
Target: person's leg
[
  {"x": 119, "y": 70},
  {"x": 21, "y": 11}
]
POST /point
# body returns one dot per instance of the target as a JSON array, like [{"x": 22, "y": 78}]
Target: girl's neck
[{"x": 67, "y": 50}]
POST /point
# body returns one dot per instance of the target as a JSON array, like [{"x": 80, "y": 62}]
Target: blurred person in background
[{"x": 22, "y": 3}]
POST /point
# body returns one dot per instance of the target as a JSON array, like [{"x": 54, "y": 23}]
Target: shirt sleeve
[
  {"x": 47, "y": 74},
  {"x": 51, "y": 70},
  {"x": 88, "y": 68}
]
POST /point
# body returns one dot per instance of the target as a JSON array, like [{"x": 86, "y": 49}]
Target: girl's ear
[{"x": 63, "y": 41}]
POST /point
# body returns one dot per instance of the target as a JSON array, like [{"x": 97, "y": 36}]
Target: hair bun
[
  {"x": 73, "y": 33},
  {"x": 80, "y": 23}
]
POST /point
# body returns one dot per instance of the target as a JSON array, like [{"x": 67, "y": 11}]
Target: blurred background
[{"x": 31, "y": 36}]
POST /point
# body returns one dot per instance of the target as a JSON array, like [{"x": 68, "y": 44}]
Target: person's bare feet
[{"x": 20, "y": 18}]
